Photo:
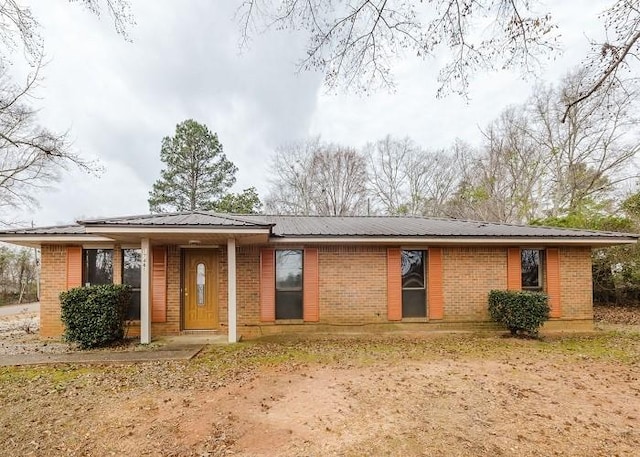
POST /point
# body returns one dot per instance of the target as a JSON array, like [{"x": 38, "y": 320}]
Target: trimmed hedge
[
  {"x": 94, "y": 316},
  {"x": 520, "y": 311}
]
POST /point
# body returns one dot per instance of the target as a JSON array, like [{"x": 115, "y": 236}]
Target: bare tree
[
  {"x": 387, "y": 176},
  {"x": 470, "y": 195},
  {"x": 532, "y": 165},
  {"x": 593, "y": 151},
  {"x": 511, "y": 168},
  {"x": 18, "y": 275},
  {"x": 291, "y": 184},
  {"x": 339, "y": 178},
  {"x": 355, "y": 43},
  {"x": 406, "y": 179},
  {"x": 312, "y": 177},
  {"x": 431, "y": 180},
  {"x": 30, "y": 155},
  {"x": 20, "y": 29},
  {"x": 610, "y": 62}
]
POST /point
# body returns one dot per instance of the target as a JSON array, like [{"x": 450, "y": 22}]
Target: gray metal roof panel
[
  {"x": 195, "y": 218},
  {"x": 72, "y": 229},
  {"x": 327, "y": 226},
  {"x": 371, "y": 226}
]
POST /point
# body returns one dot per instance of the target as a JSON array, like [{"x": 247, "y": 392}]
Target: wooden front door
[{"x": 200, "y": 289}]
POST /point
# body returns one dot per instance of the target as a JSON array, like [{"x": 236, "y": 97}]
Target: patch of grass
[
  {"x": 368, "y": 350},
  {"x": 616, "y": 346},
  {"x": 261, "y": 353},
  {"x": 55, "y": 375},
  {"x": 352, "y": 351}
]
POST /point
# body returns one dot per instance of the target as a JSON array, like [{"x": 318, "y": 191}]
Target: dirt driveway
[{"x": 351, "y": 395}]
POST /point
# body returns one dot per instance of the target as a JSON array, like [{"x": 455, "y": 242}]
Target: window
[
  {"x": 200, "y": 283},
  {"x": 289, "y": 284},
  {"x": 414, "y": 296},
  {"x": 532, "y": 268},
  {"x": 97, "y": 266},
  {"x": 131, "y": 271}
]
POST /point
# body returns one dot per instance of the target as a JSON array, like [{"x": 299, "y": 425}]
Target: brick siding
[
  {"x": 53, "y": 280},
  {"x": 576, "y": 284},
  {"x": 469, "y": 274},
  {"x": 352, "y": 288}
]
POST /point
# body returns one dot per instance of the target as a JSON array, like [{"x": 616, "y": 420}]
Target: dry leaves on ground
[{"x": 404, "y": 395}]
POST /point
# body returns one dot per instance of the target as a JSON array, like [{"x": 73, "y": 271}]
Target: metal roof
[
  {"x": 73, "y": 229},
  {"x": 329, "y": 226},
  {"x": 186, "y": 219},
  {"x": 370, "y": 226}
]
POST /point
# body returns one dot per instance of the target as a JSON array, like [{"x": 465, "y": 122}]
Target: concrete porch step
[
  {"x": 200, "y": 332},
  {"x": 196, "y": 337}
]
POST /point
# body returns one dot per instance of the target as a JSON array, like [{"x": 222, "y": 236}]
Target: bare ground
[{"x": 352, "y": 395}]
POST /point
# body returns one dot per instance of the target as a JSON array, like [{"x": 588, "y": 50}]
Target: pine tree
[{"x": 197, "y": 174}]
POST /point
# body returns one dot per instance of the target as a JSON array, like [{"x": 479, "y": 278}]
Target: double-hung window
[
  {"x": 289, "y": 283},
  {"x": 414, "y": 296},
  {"x": 532, "y": 261},
  {"x": 131, "y": 274},
  {"x": 97, "y": 266}
]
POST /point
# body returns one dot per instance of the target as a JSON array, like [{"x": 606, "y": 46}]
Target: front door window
[{"x": 201, "y": 282}]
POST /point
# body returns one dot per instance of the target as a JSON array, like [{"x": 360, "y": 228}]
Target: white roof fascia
[
  {"x": 42, "y": 238},
  {"x": 430, "y": 240},
  {"x": 178, "y": 230}
]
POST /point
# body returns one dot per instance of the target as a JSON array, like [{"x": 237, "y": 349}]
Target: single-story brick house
[{"x": 247, "y": 275}]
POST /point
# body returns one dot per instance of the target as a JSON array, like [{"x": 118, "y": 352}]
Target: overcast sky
[{"x": 118, "y": 99}]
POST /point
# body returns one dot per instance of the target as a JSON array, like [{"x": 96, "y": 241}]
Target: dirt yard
[{"x": 440, "y": 395}]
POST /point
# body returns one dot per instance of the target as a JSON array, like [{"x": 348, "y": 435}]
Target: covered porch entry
[{"x": 200, "y": 240}]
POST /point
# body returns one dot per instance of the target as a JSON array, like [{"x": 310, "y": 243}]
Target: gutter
[{"x": 433, "y": 241}]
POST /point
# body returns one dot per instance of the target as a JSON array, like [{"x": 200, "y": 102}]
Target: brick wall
[
  {"x": 469, "y": 274},
  {"x": 352, "y": 286},
  {"x": 173, "y": 323},
  {"x": 53, "y": 280},
  {"x": 247, "y": 286},
  {"x": 117, "y": 264},
  {"x": 576, "y": 295}
]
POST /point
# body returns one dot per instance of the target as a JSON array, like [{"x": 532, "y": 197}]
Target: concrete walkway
[
  {"x": 9, "y": 310},
  {"x": 166, "y": 353}
]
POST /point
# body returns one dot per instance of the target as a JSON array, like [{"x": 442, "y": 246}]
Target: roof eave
[
  {"x": 457, "y": 240},
  {"x": 37, "y": 240},
  {"x": 174, "y": 229}
]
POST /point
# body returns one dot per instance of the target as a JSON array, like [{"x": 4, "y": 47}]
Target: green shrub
[
  {"x": 520, "y": 312},
  {"x": 94, "y": 316}
]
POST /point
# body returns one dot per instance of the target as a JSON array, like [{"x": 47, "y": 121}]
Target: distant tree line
[
  {"x": 18, "y": 275},
  {"x": 529, "y": 168}
]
